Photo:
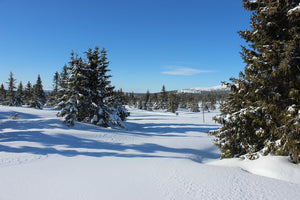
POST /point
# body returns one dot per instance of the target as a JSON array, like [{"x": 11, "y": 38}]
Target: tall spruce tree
[
  {"x": 74, "y": 105},
  {"x": 262, "y": 111}
]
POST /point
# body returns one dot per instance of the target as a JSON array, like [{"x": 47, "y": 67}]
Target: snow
[
  {"x": 158, "y": 156},
  {"x": 204, "y": 89},
  {"x": 295, "y": 10}
]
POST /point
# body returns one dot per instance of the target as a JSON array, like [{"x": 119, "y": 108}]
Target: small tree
[
  {"x": 172, "y": 105},
  {"x": 11, "y": 93},
  {"x": 193, "y": 105},
  {"x": 28, "y": 93},
  {"x": 38, "y": 97},
  {"x": 2, "y": 93},
  {"x": 163, "y": 98}
]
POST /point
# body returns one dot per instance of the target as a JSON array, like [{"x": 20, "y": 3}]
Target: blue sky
[{"x": 177, "y": 43}]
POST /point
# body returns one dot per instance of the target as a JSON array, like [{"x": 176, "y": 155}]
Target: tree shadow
[
  {"x": 32, "y": 130},
  {"x": 69, "y": 146}
]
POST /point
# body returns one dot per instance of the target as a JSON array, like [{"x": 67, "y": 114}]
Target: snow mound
[{"x": 277, "y": 167}]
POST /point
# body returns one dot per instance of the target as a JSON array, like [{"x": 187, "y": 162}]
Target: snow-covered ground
[{"x": 159, "y": 156}]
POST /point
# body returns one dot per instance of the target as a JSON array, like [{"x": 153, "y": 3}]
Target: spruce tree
[
  {"x": 11, "y": 93},
  {"x": 52, "y": 96},
  {"x": 38, "y": 97},
  {"x": 20, "y": 94},
  {"x": 163, "y": 98},
  {"x": 28, "y": 93},
  {"x": 86, "y": 93},
  {"x": 132, "y": 100},
  {"x": 63, "y": 78},
  {"x": 74, "y": 104},
  {"x": 118, "y": 105},
  {"x": 155, "y": 103},
  {"x": 262, "y": 111},
  {"x": 55, "y": 83},
  {"x": 2, "y": 93},
  {"x": 147, "y": 102},
  {"x": 172, "y": 104},
  {"x": 192, "y": 105},
  {"x": 102, "y": 92}
]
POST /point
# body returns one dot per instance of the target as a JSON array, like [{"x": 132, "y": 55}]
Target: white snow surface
[
  {"x": 158, "y": 156},
  {"x": 204, "y": 89},
  {"x": 294, "y": 10}
]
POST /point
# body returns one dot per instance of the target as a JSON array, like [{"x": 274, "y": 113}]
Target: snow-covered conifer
[
  {"x": 163, "y": 98},
  {"x": 2, "y": 93},
  {"x": 172, "y": 104},
  {"x": 38, "y": 98},
  {"x": 257, "y": 117},
  {"x": 86, "y": 93},
  {"x": 13, "y": 99}
]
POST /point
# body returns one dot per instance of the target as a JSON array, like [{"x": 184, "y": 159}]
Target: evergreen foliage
[
  {"x": 86, "y": 94},
  {"x": 2, "y": 93},
  {"x": 192, "y": 105},
  {"x": 38, "y": 97},
  {"x": 13, "y": 99},
  {"x": 28, "y": 93},
  {"x": 172, "y": 104},
  {"x": 163, "y": 98},
  {"x": 262, "y": 112}
]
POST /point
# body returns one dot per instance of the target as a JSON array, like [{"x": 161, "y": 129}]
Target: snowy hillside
[
  {"x": 203, "y": 89},
  {"x": 159, "y": 156}
]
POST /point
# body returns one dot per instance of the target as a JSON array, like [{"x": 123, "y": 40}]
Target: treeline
[
  {"x": 82, "y": 92},
  {"x": 30, "y": 95},
  {"x": 171, "y": 101}
]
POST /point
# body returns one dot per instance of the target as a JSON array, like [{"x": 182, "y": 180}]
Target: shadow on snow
[{"x": 70, "y": 145}]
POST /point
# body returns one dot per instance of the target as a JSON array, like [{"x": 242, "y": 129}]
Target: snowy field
[{"x": 159, "y": 156}]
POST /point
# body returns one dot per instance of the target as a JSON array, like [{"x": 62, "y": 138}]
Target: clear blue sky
[{"x": 178, "y": 43}]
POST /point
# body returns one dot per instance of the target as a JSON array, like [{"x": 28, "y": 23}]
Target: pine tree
[
  {"x": 183, "y": 101},
  {"x": 52, "y": 96},
  {"x": 163, "y": 100},
  {"x": 192, "y": 105},
  {"x": 20, "y": 94},
  {"x": 155, "y": 103},
  {"x": 260, "y": 114},
  {"x": 2, "y": 93},
  {"x": 75, "y": 104},
  {"x": 63, "y": 78},
  {"x": 118, "y": 105},
  {"x": 172, "y": 104},
  {"x": 102, "y": 92},
  {"x": 147, "y": 102},
  {"x": 86, "y": 93},
  {"x": 28, "y": 93},
  {"x": 11, "y": 93},
  {"x": 56, "y": 83},
  {"x": 39, "y": 97},
  {"x": 132, "y": 100}
]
